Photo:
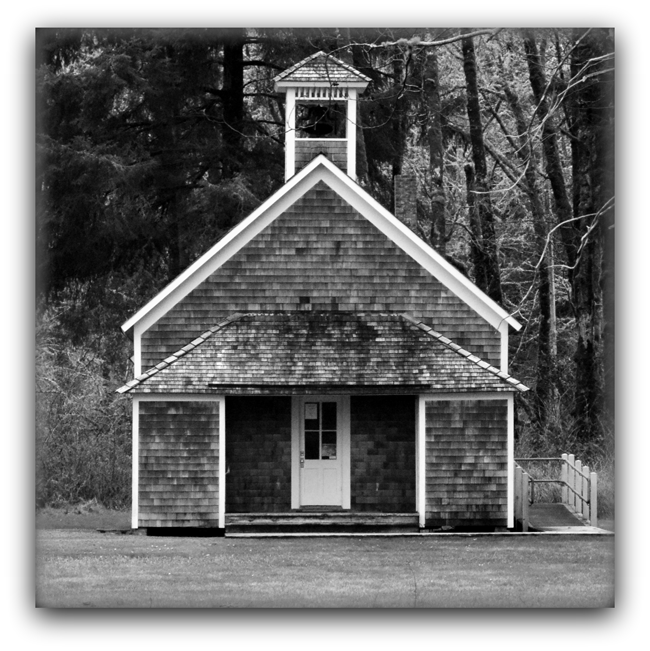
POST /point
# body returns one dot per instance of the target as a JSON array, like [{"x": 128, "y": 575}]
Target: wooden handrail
[
  {"x": 539, "y": 459},
  {"x": 579, "y": 488}
]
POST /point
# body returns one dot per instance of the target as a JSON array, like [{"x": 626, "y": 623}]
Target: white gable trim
[
  {"x": 423, "y": 254},
  {"x": 319, "y": 169},
  {"x": 228, "y": 246}
]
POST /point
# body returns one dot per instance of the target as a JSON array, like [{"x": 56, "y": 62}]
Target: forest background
[{"x": 152, "y": 144}]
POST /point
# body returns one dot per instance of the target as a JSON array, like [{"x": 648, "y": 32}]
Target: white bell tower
[{"x": 321, "y": 112}]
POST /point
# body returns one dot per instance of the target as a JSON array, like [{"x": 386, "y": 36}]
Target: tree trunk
[
  {"x": 486, "y": 261},
  {"x": 592, "y": 189},
  {"x": 431, "y": 87},
  {"x": 550, "y": 147},
  {"x": 605, "y": 189},
  {"x": 398, "y": 120},
  {"x": 545, "y": 385},
  {"x": 233, "y": 98}
]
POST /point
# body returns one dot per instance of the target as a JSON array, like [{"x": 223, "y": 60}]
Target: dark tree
[{"x": 484, "y": 246}]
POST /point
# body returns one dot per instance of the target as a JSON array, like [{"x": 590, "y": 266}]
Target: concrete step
[{"x": 310, "y": 521}]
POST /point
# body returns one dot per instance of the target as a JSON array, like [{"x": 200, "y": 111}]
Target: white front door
[{"x": 324, "y": 451}]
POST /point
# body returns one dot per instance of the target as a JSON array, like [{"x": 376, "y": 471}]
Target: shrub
[{"x": 82, "y": 426}]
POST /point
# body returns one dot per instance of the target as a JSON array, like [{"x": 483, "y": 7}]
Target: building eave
[{"x": 292, "y": 350}]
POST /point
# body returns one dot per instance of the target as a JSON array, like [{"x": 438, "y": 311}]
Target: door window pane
[
  {"x": 320, "y": 430},
  {"x": 329, "y": 415},
  {"x": 328, "y": 448},
  {"x": 312, "y": 445},
  {"x": 311, "y": 416}
]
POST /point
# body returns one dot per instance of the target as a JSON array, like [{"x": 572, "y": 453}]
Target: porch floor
[{"x": 317, "y": 521}]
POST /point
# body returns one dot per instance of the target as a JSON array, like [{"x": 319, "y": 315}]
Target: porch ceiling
[{"x": 346, "y": 351}]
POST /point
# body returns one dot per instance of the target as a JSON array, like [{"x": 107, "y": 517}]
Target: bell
[{"x": 318, "y": 122}]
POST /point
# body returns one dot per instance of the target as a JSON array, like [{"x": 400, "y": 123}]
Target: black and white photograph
[{"x": 325, "y": 318}]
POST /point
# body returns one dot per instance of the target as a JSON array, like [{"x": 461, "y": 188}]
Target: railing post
[
  {"x": 565, "y": 479},
  {"x": 518, "y": 472},
  {"x": 577, "y": 506},
  {"x": 585, "y": 493},
  {"x": 571, "y": 475},
  {"x": 525, "y": 480},
  {"x": 593, "y": 500}
]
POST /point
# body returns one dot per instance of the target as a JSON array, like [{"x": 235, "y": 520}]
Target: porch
[{"x": 328, "y": 455}]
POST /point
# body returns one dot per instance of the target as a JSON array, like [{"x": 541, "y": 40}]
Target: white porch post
[
  {"x": 511, "y": 460},
  {"x": 135, "y": 455},
  {"x": 420, "y": 459},
  {"x": 222, "y": 462}
]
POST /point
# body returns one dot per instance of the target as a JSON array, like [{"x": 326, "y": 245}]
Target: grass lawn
[{"x": 83, "y": 568}]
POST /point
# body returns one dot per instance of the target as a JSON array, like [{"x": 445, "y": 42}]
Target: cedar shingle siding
[
  {"x": 179, "y": 464},
  {"x": 324, "y": 250},
  {"x": 258, "y": 453},
  {"x": 466, "y": 463},
  {"x": 382, "y": 453},
  {"x": 335, "y": 150}
]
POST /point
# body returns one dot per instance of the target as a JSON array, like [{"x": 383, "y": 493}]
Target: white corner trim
[
  {"x": 290, "y": 135},
  {"x": 503, "y": 329},
  {"x": 351, "y": 134},
  {"x": 137, "y": 349}
]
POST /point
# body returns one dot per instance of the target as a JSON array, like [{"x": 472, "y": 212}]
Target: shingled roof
[
  {"x": 303, "y": 351},
  {"x": 321, "y": 66}
]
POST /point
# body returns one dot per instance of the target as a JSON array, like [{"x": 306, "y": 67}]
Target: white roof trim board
[
  {"x": 179, "y": 353},
  {"x": 320, "y": 169},
  {"x": 445, "y": 341}
]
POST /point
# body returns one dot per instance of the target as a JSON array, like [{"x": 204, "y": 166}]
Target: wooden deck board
[{"x": 551, "y": 517}]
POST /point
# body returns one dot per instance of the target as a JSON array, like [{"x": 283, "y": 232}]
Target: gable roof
[
  {"x": 319, "y": 169},
  {"x": 321, "y": 67},
  {"x": 317, "y": 350}
]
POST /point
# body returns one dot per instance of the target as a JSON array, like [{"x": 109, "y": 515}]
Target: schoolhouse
[{"x": 322, "y": 365}]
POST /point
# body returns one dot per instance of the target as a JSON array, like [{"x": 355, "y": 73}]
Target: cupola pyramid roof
[{"x": 321, "y": 67}]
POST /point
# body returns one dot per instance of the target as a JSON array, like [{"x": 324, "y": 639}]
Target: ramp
[
  {"x": 573, "y": 508},
  {"x": 557, "y": 518}
]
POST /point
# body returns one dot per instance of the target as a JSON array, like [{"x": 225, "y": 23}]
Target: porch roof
[{"x": 288, "y": 352}]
